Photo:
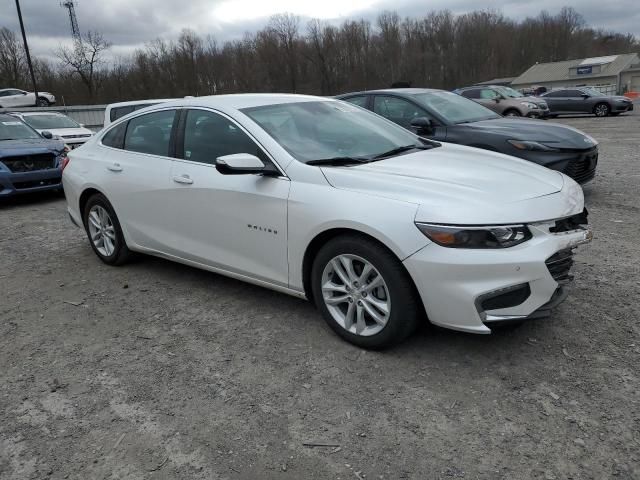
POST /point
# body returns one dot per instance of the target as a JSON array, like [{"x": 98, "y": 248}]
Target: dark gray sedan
[
  {"x": 448, "y": 117},
  {"x": 570, "y": 101}
]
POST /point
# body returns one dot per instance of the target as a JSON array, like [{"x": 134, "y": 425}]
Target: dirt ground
[{"x": 156, "y": 370}]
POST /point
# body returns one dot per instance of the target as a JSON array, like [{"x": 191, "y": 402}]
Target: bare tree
[
  {"x": 285, "y": 27},
  {"x": 12, "y": 59},
  {"x": 84, "y": 59}
]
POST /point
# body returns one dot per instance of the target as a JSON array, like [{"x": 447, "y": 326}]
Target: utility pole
[{"x": 26, "y": 49}]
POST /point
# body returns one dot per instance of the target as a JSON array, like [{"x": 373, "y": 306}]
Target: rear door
[
  {"x": 234, "y": 222},
  {"x": 134, "y": 171}
]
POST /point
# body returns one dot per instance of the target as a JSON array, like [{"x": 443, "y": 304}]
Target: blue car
[{"x": 29, "y": 162}]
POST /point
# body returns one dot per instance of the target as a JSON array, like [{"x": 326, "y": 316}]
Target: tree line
[{"x": 438, "y": 50}]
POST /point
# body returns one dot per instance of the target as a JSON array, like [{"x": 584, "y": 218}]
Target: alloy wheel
[
  {"x": 356, "y": 295},
  {"x": 102, "y": 231},
  {"x": 602, "y": 110}
]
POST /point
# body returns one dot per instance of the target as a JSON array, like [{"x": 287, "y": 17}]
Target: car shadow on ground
[{"x": 427, "y": 338}]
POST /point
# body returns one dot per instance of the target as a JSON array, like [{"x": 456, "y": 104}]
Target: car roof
[
  {"x": 401, "y": 91},
  {"x": 238, "y": 101},
  {"x": 33, "y": 114},
  {"x": 5, "y": 117},
  {"x": 138, "y": 102}
]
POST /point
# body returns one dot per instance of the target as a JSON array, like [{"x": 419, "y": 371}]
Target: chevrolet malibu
[{"x": 323, "y": 200}]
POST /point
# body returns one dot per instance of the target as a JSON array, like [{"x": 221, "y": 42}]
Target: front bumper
[
  {"x": 578, "y": 164},
  {"x": 30, "y": 182},
  {"x": 622, "y": 107},
  {"x": 453, "y": 283}
]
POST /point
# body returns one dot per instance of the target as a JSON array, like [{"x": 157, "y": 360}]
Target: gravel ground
[{"x": 156, "y": 370}]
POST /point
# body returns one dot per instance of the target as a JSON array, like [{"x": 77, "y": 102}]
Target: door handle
[
  {"x": 115, "y": 167},
  {"x": 183, "y": 179}
]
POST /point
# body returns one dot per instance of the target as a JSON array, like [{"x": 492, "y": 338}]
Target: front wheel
[
  {"x": 104, "y": 231},
  {"x": 364, "y": 293},
  {"x": 601, "y": 110},
  {"x": 42, "y": 102},
  {"x": 512, "y": 113}
]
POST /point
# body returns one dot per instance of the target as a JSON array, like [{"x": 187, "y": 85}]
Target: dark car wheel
[
  {"x": 364, "y": 293},
  {"x": 601, "y": 110},
  {"x": 42, "y": 102},
  {"x": 512, "y": 113},
  {"x": 104, "y": 231}
]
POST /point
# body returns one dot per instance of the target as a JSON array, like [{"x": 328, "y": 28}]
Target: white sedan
[
  {"x": 323, "y": 200},
  {"x": 59, "y": 125},
  {"x": 14, "y": 97}
]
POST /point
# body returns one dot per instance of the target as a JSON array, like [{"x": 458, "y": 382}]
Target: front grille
[
  {"x": 583, "y": 168},
  {"x": 84, "y": 135},
  {"x": 30, "y": 163},
  {"x": 559, "y": 265},
  {"x": 37, "y": 183}
]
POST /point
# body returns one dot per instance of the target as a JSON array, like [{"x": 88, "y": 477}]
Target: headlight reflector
[{"x": 475, "y": 237}]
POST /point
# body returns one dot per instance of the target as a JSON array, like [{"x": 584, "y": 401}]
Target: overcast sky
[{"x": 131, "y": 23}]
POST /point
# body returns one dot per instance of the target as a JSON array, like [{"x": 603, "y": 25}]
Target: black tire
[
  {"x": 42, "y": 102},
  {"x": 512, "y": 112},
  {"x": 121, "y": 252},
  {"x": 405, "y": 303},
  {"x": 601, "y": 109}
]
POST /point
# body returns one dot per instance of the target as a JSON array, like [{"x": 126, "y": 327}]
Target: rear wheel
[
  {"x": 512, "y": 113},
  {"x": 601, "y": 110},
  {"x": 364, "y": 293},
  {"x": 104, "y": 231}
]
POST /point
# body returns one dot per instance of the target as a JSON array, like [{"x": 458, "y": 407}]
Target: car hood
[
  {"x": 9, "y": 148},
  {"x": 551, "y": 134},
  {"x": 461, "y": 185},
  {"x": 66, "y": 131}
]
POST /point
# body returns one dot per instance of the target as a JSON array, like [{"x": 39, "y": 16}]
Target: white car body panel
[
  {"x": 222, "y": 222},
  {"x": 24, "y": 99}
]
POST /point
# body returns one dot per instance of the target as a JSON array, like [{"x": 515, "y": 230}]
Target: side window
[
  {"x": 120, "y": 112},
  {"x": 4, "y": 94},
  {"x": 150, "y": 133},
  {"x": 488, "y": 94},
  {"x": 574, "y": 93},
  {"x": 360, "y": 101},
  {"x": 115, "y": 137},
  {"x": 397, "y": 110},
  {"x": 471, "y": 93},
  {"x": 208, "y": 136}
]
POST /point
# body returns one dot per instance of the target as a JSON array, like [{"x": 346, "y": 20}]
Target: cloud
[{"x": 131, "y": 23}]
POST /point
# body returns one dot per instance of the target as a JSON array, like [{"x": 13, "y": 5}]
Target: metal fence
[{"x": 91, "y": 116}]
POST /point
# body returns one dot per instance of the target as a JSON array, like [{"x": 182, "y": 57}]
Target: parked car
[
  {"x": 14, "y": 97},
  {"x": 506, "y": 101},
  {"x": 320, "y": 199},
  {"x": 569, "y": 101},
  {"x": 71, "y": 132},
  {"x": 29, "y": 161},
  {"x": 445, "y": 116},
  {"x": 114, "y": 111}
]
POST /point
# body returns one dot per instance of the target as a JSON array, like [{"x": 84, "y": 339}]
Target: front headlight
[
  {"x": 533, "y": 106},
  {"x": 531, "y": 145},
  {"x": 475, "y": 237}
]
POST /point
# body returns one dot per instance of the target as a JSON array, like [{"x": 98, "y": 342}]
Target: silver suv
[{"x": 506, "y": 101}]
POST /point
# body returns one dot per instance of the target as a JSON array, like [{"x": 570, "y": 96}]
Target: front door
[{"x": 234, "y": 222}]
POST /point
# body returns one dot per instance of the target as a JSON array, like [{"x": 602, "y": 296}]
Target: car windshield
[
  {"x": 318, "y": 130},
  {"x": 13, "y": 129},
  {"x": 454, "y": 108},
  {"x": 42, "y": 122},
  {"x": 593, "y": 92},
  {"x": 509, "y": 92}
]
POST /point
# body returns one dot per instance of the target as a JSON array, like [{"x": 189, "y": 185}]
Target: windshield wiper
[
  {"x": 405, "y": 148},
  {"x": 338, "y": 161}
]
